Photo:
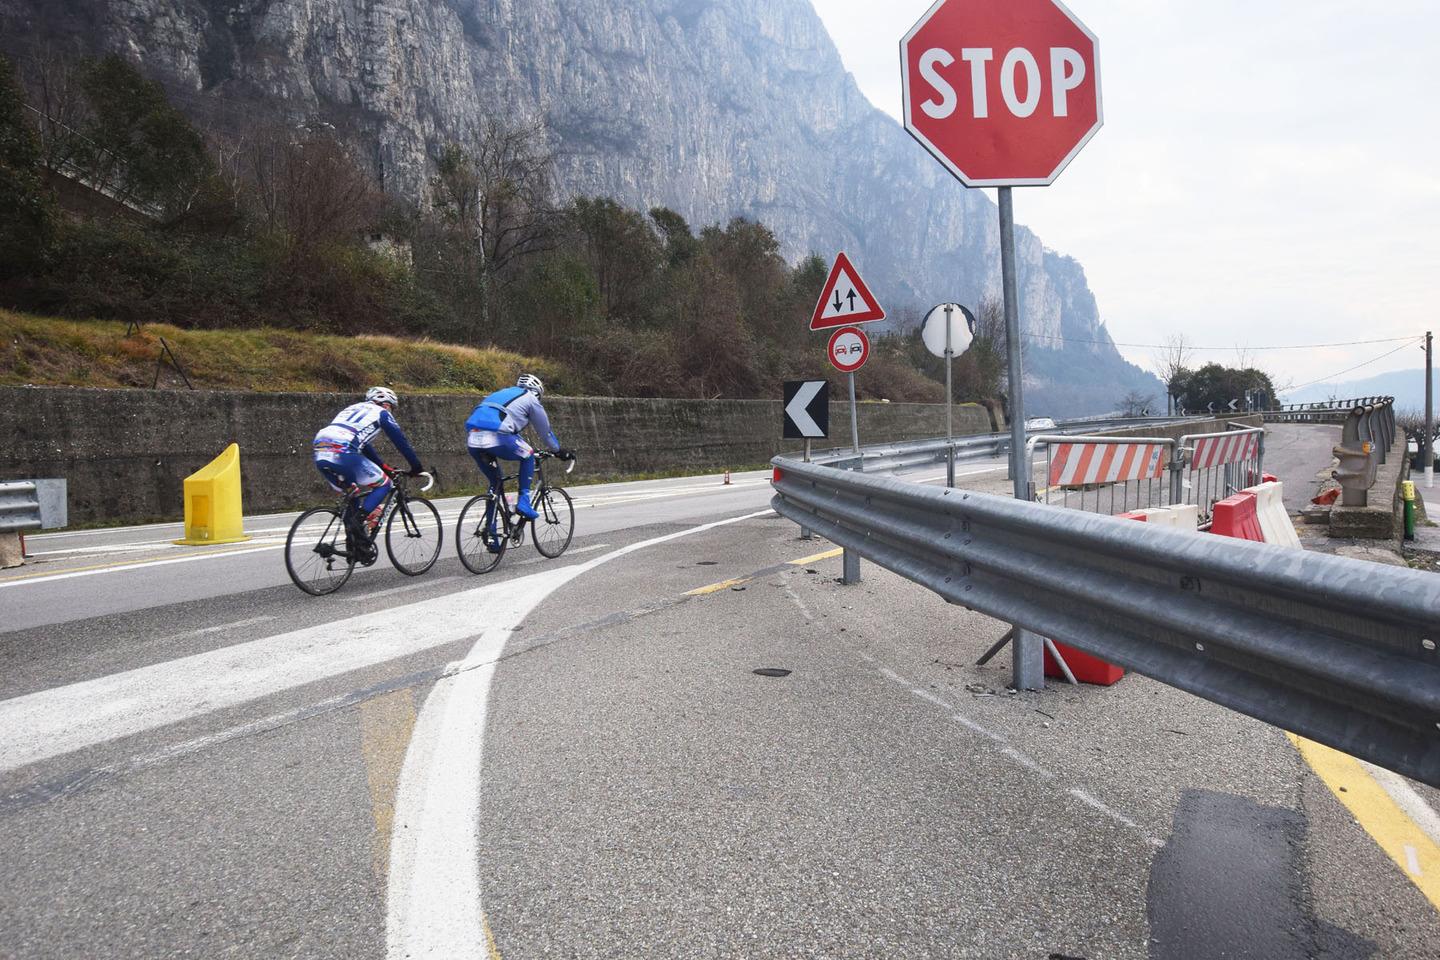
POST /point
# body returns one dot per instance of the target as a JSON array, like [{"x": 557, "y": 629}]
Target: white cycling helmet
[
  {"x": 382, "y": 395},
  {"x": 529, "y": 381}
]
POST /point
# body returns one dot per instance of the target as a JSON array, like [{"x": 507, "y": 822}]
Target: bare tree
[
  {"x": 497, "y": 192},
  {"x": 306, "y": 188},
  {"x": 1171, "y": 365},
  {"x": 1135, "y": 404}
]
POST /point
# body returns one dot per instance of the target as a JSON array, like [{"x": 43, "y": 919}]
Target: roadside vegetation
[
  {"x": 47, "y": 351},
  {"x": 116, "y": 206}
]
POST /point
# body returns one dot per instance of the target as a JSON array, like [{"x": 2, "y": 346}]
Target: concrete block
[{"x": 11, "y": 554}]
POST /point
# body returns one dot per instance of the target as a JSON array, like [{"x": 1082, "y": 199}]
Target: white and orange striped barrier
[
  {"x": 1218, "y": 451},
  {"x": 1086, "y": 464}
]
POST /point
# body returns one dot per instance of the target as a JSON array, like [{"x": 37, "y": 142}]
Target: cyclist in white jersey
[{"x": 344, "y": 454}]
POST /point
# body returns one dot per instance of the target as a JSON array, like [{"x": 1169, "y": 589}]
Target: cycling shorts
[{"x": 343, "y": 469}]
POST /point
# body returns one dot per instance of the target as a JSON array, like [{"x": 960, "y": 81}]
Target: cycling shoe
[{"x": 526, "y": 510}]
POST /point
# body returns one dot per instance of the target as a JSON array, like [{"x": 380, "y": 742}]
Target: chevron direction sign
[{"x": 807, "y": 409}]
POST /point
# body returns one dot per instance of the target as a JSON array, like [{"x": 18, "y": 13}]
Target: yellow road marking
[
  {"x": 385, "y": 727},
  {"x": 715, "y": 587},
  {"x": 1403, "y": 841},
  {"x": 492, "y": 952},
  {"x": 817, "y": 557},
  {"x": 131, "y": 563}
]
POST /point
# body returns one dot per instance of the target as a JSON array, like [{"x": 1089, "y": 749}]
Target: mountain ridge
[{"x": 714, "y": 108}]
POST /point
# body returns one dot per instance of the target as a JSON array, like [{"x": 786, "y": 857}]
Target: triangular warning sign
[{"x": 845, "y": 299}]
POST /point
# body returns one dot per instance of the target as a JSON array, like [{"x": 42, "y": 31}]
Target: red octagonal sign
[{"x": 1003, "y": 94}]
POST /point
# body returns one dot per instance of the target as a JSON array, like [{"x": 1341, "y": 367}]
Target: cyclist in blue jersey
[
  {"x": 494, "y": 432},
  {"x": 346, "y": 459}
]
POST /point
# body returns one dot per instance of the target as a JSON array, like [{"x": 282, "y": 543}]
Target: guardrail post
[
  {"x": 850, "y": 567},
  {"x": 1027, "y": 660}
]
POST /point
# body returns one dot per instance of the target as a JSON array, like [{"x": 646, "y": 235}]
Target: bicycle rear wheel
[
  {"x": 315, "y": 552},
  {"x": 555, "y": 526},
  {"x": 413, "y": 536},
  {"x": 480, "y": 535}
]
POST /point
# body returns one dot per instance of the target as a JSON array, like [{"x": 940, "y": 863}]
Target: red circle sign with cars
[{"x": 849, "y": 349}]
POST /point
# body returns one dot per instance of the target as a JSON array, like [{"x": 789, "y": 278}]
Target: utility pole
[{"x": 1427, "y": 443}]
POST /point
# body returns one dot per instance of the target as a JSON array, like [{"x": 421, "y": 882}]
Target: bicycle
[
  {"x": 485, "y": 528},
  {"x": 326, "y": 543}
]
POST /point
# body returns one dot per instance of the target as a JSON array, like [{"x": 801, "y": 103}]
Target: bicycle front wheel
[
  {"x": 413, "y": 536},
  {"x": 556, "y": 524},
  {"x": 315, "y": 555},
  {"x": 480, "y": 536}
]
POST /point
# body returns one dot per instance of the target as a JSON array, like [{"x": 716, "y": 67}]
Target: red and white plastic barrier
[
  {"x": 1275, "y": 521},
  {"x": 1236, "y": 516},
  {"x": 1218, "y": 451},
  {"x": 1080, "y": 464}
]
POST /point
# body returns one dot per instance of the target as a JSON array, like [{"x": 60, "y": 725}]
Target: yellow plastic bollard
[{"x": 212, "y": 502}]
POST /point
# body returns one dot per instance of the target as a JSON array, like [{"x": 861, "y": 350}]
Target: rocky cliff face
[{"x": 711, "y": 107}]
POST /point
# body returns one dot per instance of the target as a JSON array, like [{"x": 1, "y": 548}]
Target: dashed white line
[{"x": 1115, "y": 815}]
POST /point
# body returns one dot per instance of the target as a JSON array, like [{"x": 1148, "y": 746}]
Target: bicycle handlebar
[{"x": 547, "y": 455}]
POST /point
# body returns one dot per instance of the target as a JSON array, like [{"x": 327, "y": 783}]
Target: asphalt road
[{"x": 575, "y": 758}]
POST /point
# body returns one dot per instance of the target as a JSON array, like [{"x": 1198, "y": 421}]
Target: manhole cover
[{"x": 771, "y": 672}]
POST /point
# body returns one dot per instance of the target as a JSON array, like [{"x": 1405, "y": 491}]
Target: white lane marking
[
  {"x": 926, "y": 695},
  {"x": 203, "y": 631},
  {"x": 1115, "y": 815},
  {"x": 892, "y": 675},
  {"x": 433, "y": 906},
  {"x": 63, "y": 719},
  {"x": 569, "y": 553},
  {"x": 1412, "y": 861},
  {"x": 1025, "y": 761},
  {"x": 799, "y": 603},
  {"x": 406, "y": 588},
  {"x": 146, "y": 565},
  {"x": 958, "y": 473},
  {"x": 1405, "y": 797}
]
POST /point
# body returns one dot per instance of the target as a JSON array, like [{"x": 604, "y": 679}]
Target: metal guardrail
[
  {"x": 1341, "y": 651},
  {"x": 911, "y": 453},
  {"x": 32, "y": 505},
  {"x": 1330, "y": 411},
  {"x": 1365, "y": 443}
]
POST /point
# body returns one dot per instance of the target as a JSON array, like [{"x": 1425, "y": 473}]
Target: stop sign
[{"x": 1003, "y": 94}]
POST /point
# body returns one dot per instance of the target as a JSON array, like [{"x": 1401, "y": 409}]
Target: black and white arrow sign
[
  {"x": 807, "y": 409},
  {"x": 1233, "y": 405}
]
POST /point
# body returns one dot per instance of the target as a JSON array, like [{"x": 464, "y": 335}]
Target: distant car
[{"x": 1039, "y": 423}]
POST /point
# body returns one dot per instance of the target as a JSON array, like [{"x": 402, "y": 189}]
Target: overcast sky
[{"x": 1268, "y": 172}]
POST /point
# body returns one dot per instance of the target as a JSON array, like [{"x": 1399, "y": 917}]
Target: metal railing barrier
[
  {"x": 1338, "y": 650},
  {"x": 32, "y": 505}
]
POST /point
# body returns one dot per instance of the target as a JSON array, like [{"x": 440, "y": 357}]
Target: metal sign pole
[
  {"x": 1427, "y": 448},
  {"x": 1028, "y": 665},
  {"x": 949, "y": 405},
  {"x": 854, "y": 418},
  {"x": 805, "y": 533}
]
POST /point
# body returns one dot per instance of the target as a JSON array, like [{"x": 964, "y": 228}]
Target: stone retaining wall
[{"x": 125, "y": 453}]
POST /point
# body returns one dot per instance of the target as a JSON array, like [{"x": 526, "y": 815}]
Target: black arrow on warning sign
[
  {"x": 851, "y": 297},
  {"x": 837, "y": 300}
]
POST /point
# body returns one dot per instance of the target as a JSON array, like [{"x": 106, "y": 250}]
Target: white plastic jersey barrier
[
  {"x": 1274, "y": 518},
  {"x": 1185, "y": 516}
]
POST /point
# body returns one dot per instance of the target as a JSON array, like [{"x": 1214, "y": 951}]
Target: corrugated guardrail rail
[{"x": 1341, "y": 651}]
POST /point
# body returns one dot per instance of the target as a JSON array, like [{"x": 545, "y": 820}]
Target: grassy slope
[{"x": 42, "y": 351}]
